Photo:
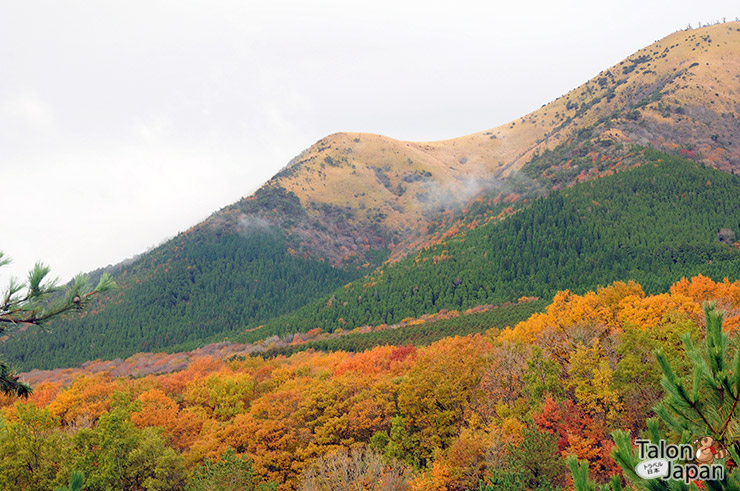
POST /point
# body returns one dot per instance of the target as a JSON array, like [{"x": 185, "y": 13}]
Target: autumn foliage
[{"x": 444, "y": 417}]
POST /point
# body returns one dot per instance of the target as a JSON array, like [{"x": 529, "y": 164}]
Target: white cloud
[
  {"x": 28, "y": 110},
  {"x": 155, "y": 127}
]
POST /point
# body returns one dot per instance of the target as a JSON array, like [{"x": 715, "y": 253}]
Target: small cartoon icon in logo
[{"x": 707, "y": 451}]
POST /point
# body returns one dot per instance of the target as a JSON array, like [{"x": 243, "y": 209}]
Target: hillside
[
  {"x": 657, "y": 222},
  {"x": 186, "y": 290},
  {"x": 662, "y": 220},
  {"x": 418, "y": 332},
  {"x": 351, "y": 201}
]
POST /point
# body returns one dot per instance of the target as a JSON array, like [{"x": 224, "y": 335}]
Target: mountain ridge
[{"x": 666, "y": 96}]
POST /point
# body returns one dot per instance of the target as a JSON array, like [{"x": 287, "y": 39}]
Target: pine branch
[
  {"x": 31, "y": 310},
  {"x": 37, "y": 306},
  {"x": 678, "y": 399},
  {"x": 10, "y": 383}
]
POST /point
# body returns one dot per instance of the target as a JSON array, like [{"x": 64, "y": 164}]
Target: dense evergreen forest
[
  {"x": 663, "y": 220},
  {"x": 185, "y": 291}
]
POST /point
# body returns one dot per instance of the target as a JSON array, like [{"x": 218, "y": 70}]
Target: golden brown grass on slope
[{"x": 678, "y": 94}]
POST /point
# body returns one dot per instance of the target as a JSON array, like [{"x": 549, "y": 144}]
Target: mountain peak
[{"x": 360, "y": 192}]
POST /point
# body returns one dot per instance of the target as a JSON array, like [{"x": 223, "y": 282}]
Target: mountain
[
  {"x": 363, "y": 191},
  {"x": 351, "y": 201}
]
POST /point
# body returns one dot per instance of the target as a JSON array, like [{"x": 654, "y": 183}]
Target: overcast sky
[{"x": 123, "y": 123}]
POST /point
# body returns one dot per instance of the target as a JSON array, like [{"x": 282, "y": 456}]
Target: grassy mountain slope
[{"x": 681, "y": 95}]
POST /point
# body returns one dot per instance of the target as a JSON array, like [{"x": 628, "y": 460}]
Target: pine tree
[
  {"x": 35, "y": 302},
  {"x": 710, "y": 407}
]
